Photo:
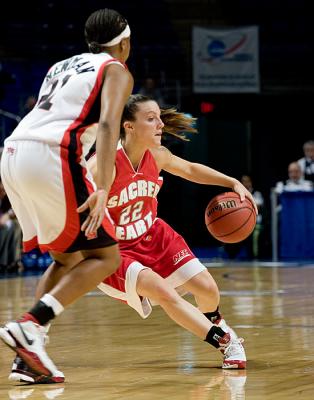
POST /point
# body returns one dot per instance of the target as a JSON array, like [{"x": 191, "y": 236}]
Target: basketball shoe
[
  {"x": 234, "y": 354},
  {"x": 27, "y": 340},
  {"x": 20, "y": 372}
]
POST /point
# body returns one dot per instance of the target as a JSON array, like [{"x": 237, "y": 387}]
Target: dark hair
[
  {"x": 102, "y": 26},
  {"x": 176, "y": 123}
]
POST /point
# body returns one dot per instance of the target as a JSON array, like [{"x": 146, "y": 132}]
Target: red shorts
[{"x": 161, "y": 249}]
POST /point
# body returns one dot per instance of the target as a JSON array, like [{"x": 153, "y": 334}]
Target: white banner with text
[{"x": 225, "y": 60}]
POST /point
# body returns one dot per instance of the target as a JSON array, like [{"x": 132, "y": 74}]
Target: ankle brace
[
  {"x": 213, "y": 316},
  {"x": 214, "y": 335}
]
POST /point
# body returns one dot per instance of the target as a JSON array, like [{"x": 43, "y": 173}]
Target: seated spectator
[
  {"x": 10, "y": 236},
  {"x": 307, "y": 161},
  {"x": 251, "y": 245},
  {"x": 295, "y": 182},
  {"x": 258, "y": 197}
]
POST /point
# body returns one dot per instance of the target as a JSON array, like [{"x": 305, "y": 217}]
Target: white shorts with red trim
[
  {"x": 45, "y": 185},
  {"x": 163, "y": 251}
]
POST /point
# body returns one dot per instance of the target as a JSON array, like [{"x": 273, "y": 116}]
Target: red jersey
[{"x": 132, "y": 200}]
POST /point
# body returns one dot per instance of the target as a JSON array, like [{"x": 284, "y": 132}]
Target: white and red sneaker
[
  {"x": 26, "y": 339},
  {"x": 234, "y": 355}
]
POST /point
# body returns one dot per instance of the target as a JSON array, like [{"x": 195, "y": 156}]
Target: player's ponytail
[{"x": 176, "y": 123}]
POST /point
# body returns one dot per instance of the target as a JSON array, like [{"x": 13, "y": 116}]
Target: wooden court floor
[{"x": 108, "y": 352}]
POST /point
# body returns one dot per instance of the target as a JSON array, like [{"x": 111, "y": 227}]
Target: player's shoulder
[
  {"x": 161, "y": 155},
  {"x": 160, "y": 151}
]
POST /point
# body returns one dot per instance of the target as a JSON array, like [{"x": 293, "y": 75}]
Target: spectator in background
[
  {"x": 295, "y": 182},
  {"x": 150, "y": 89},
  {"x": 307, "y": 162},
  {"x": 254, "y": 239},
  {"x": 10, "y": 236},
  {"x": 246, "y": 180}
]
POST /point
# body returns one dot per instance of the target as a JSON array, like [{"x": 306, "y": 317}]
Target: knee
[
  {"x": 213, "y": 292},
  {"x": 216, "y": 296},
  {"x": 165, "y": 295},
  {"x": 212, "y": 289},
  {"x": 208, "y": 293},
  {"x": 150, "y": 284}
]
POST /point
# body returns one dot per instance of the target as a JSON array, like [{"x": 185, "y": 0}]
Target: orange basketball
[{"x": 228, "y": 219}]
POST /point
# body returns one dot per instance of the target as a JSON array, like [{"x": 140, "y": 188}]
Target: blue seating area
[
  {"x": 36, "y": 261},
  {"x": 296, "y": 226}
]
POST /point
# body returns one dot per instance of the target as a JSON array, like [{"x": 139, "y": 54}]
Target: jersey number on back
[{"x": 45, "y": 102}]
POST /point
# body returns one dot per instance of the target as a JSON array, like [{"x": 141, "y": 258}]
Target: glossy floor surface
[{"x": 108, "y": 352}]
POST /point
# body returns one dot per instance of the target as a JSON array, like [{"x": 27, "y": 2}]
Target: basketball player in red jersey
[
  {"x": 60, "y": 208},
  {"x": 155, "y": 259}
]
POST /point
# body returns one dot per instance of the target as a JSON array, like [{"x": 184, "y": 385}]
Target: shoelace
[
  {"x": 44, "y": 334},
  {"x": 232, "y": 345}
]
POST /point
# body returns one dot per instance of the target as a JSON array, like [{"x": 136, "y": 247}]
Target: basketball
[{"x": 228, "y": 219}]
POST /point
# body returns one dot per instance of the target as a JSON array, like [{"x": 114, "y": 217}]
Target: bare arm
[
  {"x": 198, "y": 173},
  {"x": 92, "y": 167},
  {"x": 117, "y": 87}
]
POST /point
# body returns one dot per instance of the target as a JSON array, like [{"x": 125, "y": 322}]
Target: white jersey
[{"x": 68, "y": 102}]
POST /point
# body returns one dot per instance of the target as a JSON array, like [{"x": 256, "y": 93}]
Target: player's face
[
  {"x": 148, "y": 124},
  {"x": 126, "y": 48}
]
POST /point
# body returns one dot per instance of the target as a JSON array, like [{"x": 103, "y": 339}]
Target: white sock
[{"x": 52, "y": 302}]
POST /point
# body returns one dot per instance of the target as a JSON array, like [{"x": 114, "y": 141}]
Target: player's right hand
[
  {"x": 96, "y": 203},
  {"x": 243, "y": 192}
]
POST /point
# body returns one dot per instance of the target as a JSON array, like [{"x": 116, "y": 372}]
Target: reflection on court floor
[{"x": 108, "y": 352}]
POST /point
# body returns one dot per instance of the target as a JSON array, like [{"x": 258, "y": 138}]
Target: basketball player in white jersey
[
  {"x": 156, "y": 260},
  {"x": 59, "y": 206}
]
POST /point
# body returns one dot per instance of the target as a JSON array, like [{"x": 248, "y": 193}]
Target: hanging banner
[{"x": 225, "y": 60}]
